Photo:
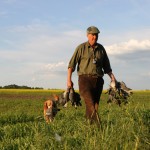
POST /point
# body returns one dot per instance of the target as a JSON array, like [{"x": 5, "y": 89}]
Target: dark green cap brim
[{"x": 93, "y": 30}]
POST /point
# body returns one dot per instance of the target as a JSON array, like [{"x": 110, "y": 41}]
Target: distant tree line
[{"x": 14, "y": 86}]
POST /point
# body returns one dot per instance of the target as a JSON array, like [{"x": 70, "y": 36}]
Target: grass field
[{"x": 22, "y": 126}]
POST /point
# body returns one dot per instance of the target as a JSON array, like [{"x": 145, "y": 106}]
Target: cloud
[
  {"x": 56, "y": 66},
  {"x": 35, "y": 27},
  {"x": 42, "y": 43},
  {"x": 51, "y": 50},
  {"x": 51, "y": 75},
  {"x": 39, "y": 43},
  {"x": 128, "y": 47},
  {"x": 38, "y": 54},
  {"x": 50, "y": 69}
]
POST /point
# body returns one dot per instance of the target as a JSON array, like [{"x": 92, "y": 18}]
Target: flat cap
[{"x": 93, "y": 30}]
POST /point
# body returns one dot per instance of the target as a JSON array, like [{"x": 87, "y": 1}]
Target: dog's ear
[
  {"x": 45, "y": 105},
  {"x": 45, "y": 108}
]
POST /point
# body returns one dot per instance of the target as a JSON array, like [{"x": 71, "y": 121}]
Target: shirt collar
[{"x": 88, "y": 45}]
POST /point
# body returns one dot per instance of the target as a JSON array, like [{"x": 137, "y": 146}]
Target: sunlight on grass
[{"x": 22, "y": 125}]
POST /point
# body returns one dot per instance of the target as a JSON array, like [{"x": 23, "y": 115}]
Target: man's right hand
[{"x": 69, "y": 84}]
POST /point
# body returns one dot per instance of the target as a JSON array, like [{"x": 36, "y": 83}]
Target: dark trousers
[{"x": 90, "y": 89}]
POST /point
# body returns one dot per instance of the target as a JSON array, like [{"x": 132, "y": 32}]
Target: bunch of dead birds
[{"x": 118, "y": 93}]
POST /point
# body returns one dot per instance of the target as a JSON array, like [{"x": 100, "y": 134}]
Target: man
[{"x": 92, "y": 62}]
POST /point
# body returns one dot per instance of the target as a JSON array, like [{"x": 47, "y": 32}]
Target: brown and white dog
[
  {"x": 50, "y": 109},
  {"x": 50, "y": 105}
]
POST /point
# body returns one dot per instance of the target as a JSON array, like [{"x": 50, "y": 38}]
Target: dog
[
  {"x": 50, "y": 105},
  {"x": 69, "y": 95},
  {"x": 50, "y": 109}
]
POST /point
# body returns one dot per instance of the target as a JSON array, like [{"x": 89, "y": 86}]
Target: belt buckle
[{"x": 93, "y": 76}]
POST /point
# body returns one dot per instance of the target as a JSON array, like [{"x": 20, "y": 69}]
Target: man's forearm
[
  {"x": 69, "y": 76},
  {"x": 111, "y": 75}
]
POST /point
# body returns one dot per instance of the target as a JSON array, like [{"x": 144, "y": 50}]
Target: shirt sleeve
[
  {"x": 74, "y": 59},
  {"x": 106, "y": 63}
]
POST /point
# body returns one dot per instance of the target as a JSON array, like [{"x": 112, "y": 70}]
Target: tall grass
[{"x": 22, "y": 126}]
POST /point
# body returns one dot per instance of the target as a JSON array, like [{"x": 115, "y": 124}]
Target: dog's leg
[{"x": 45, "y": 108}]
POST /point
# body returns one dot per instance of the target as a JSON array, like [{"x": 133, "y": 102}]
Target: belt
[{"x": 90, "y": 75}]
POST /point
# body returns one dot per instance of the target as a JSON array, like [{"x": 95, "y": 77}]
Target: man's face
[{"x": 92, "y": 38}]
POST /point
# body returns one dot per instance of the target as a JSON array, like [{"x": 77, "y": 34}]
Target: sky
[{"x": 38, "y": 38}]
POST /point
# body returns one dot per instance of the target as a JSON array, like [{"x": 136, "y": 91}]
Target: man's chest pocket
[{"x": 99, "y": 56}]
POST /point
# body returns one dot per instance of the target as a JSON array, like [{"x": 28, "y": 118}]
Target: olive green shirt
[{"x": 90, "y": 61}]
